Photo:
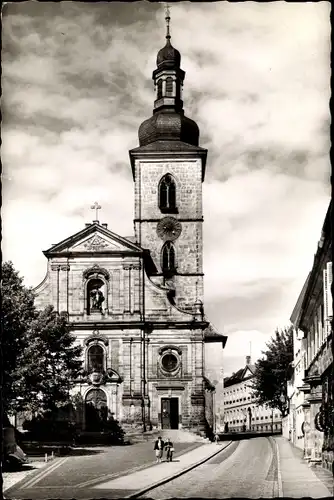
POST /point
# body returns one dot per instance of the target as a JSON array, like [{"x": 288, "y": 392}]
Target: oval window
[{"x": 169, "y": 362}]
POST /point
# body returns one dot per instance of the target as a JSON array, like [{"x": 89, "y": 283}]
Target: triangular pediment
[
  {"x": 94, "y": 238},
  {"x": 97, "y": 242}
]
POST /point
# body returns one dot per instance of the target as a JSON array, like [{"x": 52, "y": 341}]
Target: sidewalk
[
  {"x": 91, "y": 464},
  {"x": 298, "y": 479},
  {"x": 144, "y": 480},
  {"x": 11, "y": 478}
]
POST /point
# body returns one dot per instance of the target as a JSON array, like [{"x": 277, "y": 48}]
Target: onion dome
[
  {"x": 168, "y": 125},
  {"x": 168, "y": 122},
  {"x": 168, "y": 57}
]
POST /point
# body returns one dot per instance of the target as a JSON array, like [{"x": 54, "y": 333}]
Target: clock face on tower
[{"x": 169, "y": 229}]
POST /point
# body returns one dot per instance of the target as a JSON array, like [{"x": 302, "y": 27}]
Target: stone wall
[{"x": 188, "y": 246}]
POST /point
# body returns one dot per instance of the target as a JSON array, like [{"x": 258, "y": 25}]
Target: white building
[
  {"x": 293, "y": 422},
  {"x": 241, "y": 411},
  {"x": 310, "y": 413}
]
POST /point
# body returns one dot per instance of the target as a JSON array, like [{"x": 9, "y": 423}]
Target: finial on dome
[{"x": 167, "y": 18}]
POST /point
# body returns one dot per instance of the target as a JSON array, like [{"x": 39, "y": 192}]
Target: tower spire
[{"x": 167, "y": 18}]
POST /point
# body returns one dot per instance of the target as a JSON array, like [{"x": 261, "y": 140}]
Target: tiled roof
[
  {"x": 168, "y": 125},
  {"x": 167, "y": 145},
  {"x": 211, "y": 335},
  {"x": 239, "y": 376},
  {"x": 296, "y": 313},
  {"x": 209, "y": 385}
]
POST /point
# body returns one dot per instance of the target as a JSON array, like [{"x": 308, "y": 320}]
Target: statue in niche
[{"x": 97, "y": 299}]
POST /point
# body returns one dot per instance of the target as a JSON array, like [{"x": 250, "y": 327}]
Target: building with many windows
[
  {"x": 241, "y": 412},
  {"x": 312, "y": 318},
  {"x": 135, "y": 304},
  {"x": 293, "y": 422}
]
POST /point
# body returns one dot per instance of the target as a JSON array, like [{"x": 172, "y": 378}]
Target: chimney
[
  {"x": 105, "y": 225},
  {"x": 87, "y": 224},
  {"x": 248, "y": 360}
]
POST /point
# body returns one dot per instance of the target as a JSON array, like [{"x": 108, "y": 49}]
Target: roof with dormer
[{"x": 243, "y": 374}]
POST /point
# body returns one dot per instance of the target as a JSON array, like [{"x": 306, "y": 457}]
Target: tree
[
  {"x": 40, "y": 357},
  {"x": 273, "y": 370},
  {"x": 17, "y": 312},
  {"x": 50, "y": 362}
]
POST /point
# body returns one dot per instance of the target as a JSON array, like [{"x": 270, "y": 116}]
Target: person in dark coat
[
  {"x": 159, "y": 448},
  {"x": 170, "y": 450}
]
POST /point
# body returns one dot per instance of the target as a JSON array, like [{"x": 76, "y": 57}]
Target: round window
[{"x": 169, "y": 362}]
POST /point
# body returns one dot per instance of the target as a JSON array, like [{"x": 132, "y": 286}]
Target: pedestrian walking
[
  {"x": 170, "y": 450},
  {"x": 159, "y": 448}
]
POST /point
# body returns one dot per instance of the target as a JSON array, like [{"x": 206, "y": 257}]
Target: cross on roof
[
  {"x": 167, "y": 18},
  {"x": 96, "y": 207}
]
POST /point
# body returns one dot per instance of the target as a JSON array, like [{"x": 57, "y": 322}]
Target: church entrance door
[
  {"x": 96, "y": 410},
  {"x": 170, "y": 413}
]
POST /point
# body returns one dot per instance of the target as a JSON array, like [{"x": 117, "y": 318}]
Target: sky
[{"x": 76, "y": 81}]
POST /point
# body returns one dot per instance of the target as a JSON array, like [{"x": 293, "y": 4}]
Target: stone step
[
  {"x": 139, "y": 436},
  {"x": 175, "y": 435},
  {"x": 182, "y": 436}
]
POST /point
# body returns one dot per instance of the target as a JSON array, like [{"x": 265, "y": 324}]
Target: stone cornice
[
  {"x": 314, "y": 399},
  {"x": 180, "y": 219},
  {"x": 314, "y": 288},
  {"x": 128, "y": 325},
  {"x": 312, "y": 380},
  {"x": 188, "y": 152},
  {"x": 170, "y": 387},
  {"x": 97, "y": 253}
]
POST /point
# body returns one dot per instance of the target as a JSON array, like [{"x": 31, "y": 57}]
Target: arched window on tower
[
  {"x": 168, "y": 260},
  {"x": 95, "y": 359},
  {"x": 169, "y": 87},
  {"x": 167, "y": 194},
  {"x": 159, "y": 89}
]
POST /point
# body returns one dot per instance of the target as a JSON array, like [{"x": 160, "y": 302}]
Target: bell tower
[{"x": 168, "y": 170}]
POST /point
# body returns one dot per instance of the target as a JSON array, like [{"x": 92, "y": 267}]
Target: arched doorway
[{"x": 96, "y": 410}]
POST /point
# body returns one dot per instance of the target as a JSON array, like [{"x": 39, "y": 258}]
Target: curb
[
  {"x": 34, "y": 474},
  {"x": 137, "y": 468},
  {"x": 177, "y": 474},
  {"x": 279, "y": 475}
]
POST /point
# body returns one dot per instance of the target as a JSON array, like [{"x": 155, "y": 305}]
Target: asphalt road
[
  {"x": 74, "y": 476},
  {"x": 245, "y": 469}
]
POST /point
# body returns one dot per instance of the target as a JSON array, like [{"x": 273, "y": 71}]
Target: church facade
[{"x": 135, "y": 304}]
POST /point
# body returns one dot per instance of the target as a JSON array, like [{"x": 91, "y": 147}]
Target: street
[
  {"x": 76, "y": 475},
  {"x": 245, "y": 469},
  {"x": 250, "y": 468}
]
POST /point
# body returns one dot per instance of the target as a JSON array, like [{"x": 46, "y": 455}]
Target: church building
[{"x": 135, "y": 304}]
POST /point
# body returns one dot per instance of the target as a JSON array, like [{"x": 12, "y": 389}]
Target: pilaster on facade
[{"x": 135, "y": 304}]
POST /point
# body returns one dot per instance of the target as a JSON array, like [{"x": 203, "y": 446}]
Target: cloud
[{"x": 76, "y": 81}]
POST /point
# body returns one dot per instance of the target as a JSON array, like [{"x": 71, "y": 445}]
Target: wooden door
[
  {"x": 170, "y": 413},
  {"x": 165, "y": 413}
]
